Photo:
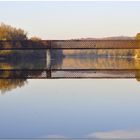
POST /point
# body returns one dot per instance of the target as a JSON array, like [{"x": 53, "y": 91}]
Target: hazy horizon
[{"x": 70, "y": 20}]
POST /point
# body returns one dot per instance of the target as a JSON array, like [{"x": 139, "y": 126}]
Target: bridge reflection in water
[
  {"x": 67, "y": 73},
  {"x": 69, "y": 66}
]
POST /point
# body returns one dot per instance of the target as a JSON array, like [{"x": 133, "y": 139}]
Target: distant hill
[{"x": 110, "y": 38}]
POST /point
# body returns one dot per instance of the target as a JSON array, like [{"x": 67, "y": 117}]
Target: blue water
[{"x": 71, "y": 109}]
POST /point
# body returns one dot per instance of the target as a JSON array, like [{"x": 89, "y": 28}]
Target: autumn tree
[
  {"x": 138, "y": 36},
  {"x": 137, "y": 55},
  {"x": 8, "y": 32},
  {"x": 137, "y": 51}
]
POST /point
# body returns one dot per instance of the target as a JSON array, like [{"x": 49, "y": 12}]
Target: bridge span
[
  {"x": 70, "y": 44},
  {"x": 50, "y": 73}
]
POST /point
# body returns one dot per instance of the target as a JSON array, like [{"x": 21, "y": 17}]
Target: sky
[{"x": 69, "y": 20}]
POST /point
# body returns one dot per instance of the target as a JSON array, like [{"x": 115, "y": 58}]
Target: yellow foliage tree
[
  {"x": 137, "y": 62},
  {"x": 8, "y": 32},
  {"x": 138, "y": 36}
]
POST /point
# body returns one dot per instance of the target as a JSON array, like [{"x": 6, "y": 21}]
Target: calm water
[{"x": 70, "y": 108}]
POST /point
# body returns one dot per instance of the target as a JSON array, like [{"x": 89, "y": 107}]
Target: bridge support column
[
  {"x": 48, "y": 63},
  {"x": 49, "y": 74},
  {"x": 48, "y": 59}
]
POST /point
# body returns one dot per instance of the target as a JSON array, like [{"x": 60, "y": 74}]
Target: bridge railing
[{"x": 69, "y": 44}]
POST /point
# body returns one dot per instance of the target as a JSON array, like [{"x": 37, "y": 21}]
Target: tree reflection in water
[{"x": 9, "y": 84}]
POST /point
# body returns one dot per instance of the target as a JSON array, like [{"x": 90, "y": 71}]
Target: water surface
[{"x": 70, "y": 108}]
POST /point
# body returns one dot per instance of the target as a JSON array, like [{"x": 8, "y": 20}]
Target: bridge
[
  {"x": 49, "y": 45},
  {"x": 69, "y": 44}
]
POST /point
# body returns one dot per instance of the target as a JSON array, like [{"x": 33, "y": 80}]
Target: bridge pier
[
  {"x": 49, "y": 74},
  {"x": 48, "y": 63},
  {"x": 48, "y": 59}
]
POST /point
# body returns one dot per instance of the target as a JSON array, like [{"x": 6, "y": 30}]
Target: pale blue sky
[{"x": 64, "y": 20}]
